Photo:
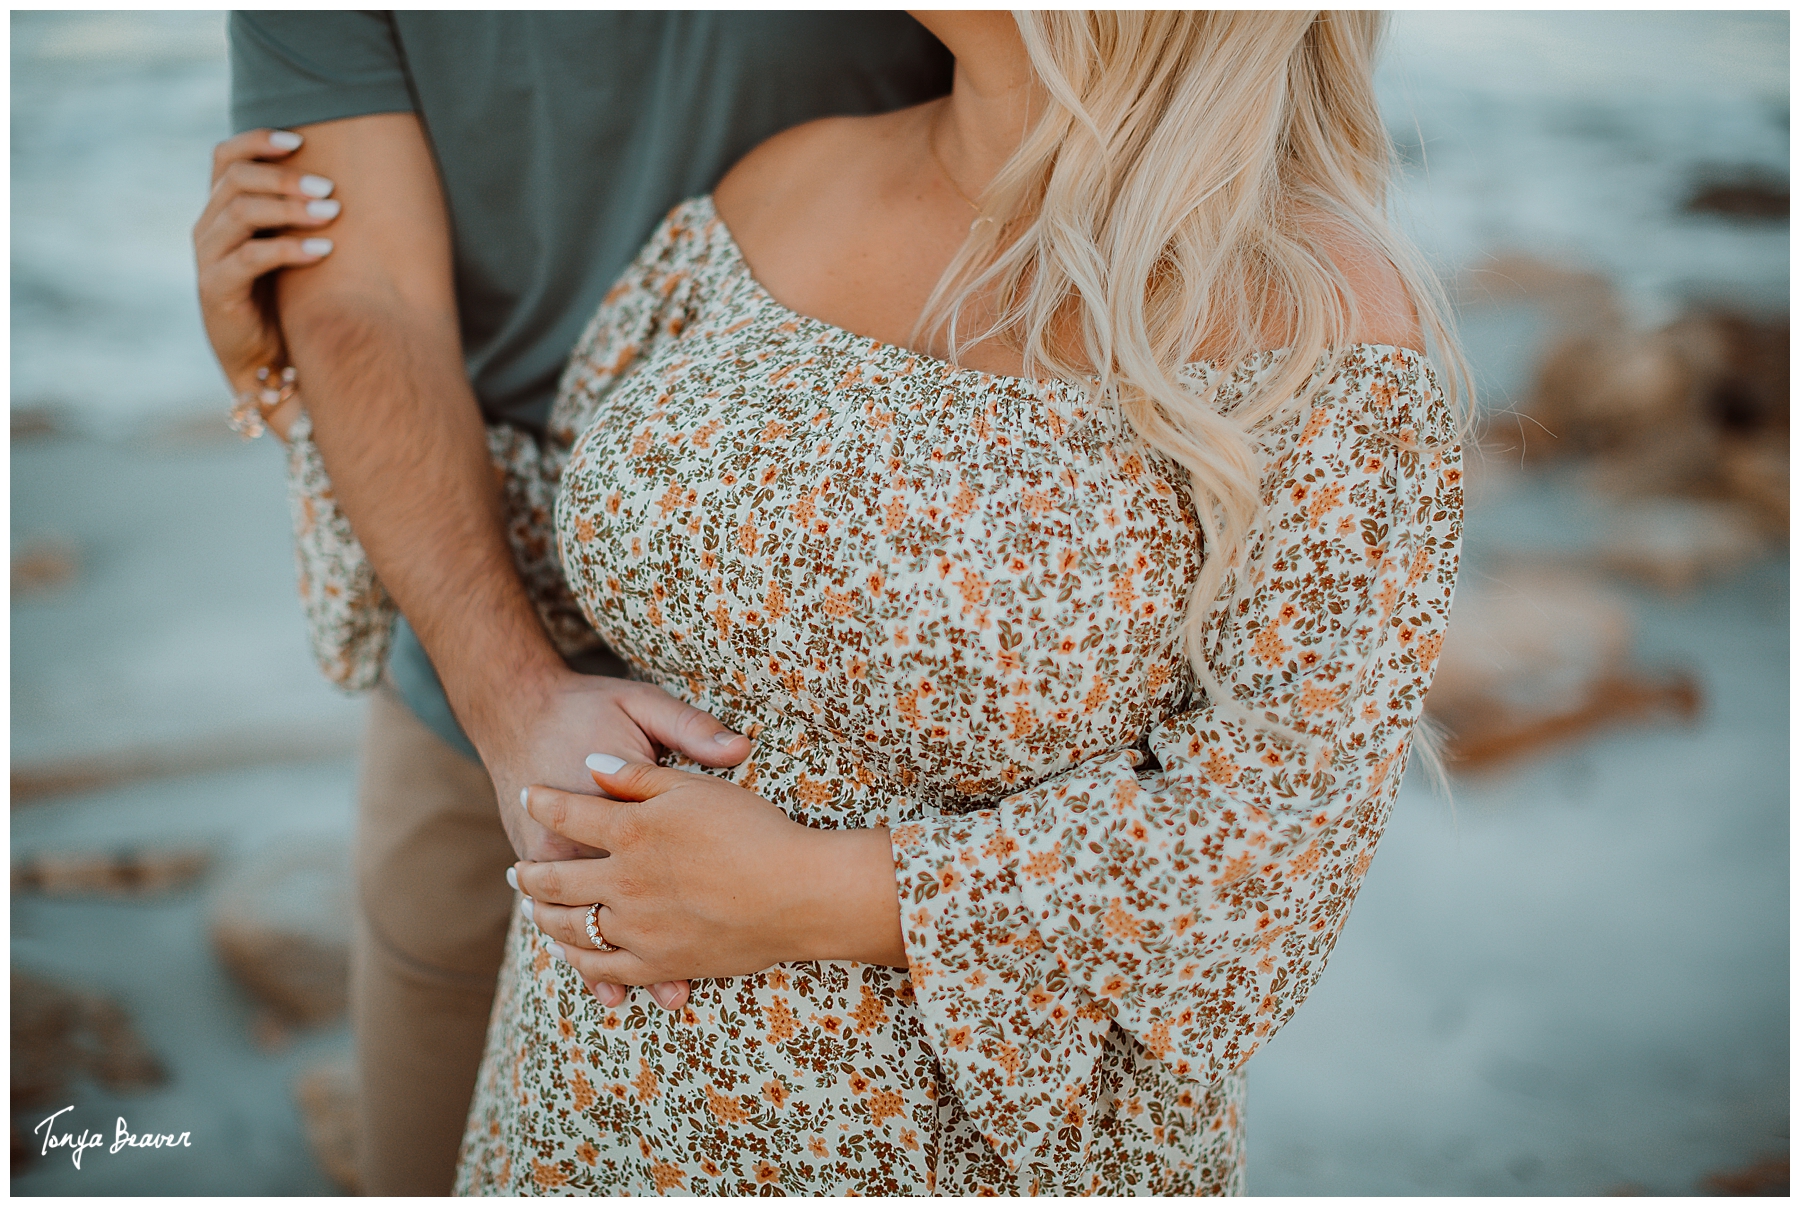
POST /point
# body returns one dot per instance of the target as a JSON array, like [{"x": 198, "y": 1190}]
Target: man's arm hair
[{"x": 373, "y": 331}]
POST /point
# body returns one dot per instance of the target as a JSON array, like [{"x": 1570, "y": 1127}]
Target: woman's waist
[{"x": 823, "y": 776}]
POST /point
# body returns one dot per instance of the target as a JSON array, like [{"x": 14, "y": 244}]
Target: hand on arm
[
  {"x": 373, "y": 331},
  {"x": 252, "y": 193},
  {"x": 706, "y": 879},
  {"x": 377, "y": 341}
]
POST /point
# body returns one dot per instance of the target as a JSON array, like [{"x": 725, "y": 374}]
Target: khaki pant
[{"x": 431, "y": 860}]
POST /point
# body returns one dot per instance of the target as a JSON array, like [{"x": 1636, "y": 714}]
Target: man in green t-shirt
[{"x": 496, "y": 171}]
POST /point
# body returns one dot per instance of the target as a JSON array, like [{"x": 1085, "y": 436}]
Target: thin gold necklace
[{"x": 931, "y": 141}]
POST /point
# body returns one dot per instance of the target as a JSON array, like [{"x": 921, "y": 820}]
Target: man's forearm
[
  {"x": 402, "y": 435},
  {"x": 374, "y": 333}
]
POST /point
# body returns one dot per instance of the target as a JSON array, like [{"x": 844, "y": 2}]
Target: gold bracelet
[{"x": 251, "y": 409}]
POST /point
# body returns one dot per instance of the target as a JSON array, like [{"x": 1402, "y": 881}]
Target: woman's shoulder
[
  {"x": 806, "y": 177},
  {"x": 1385, "y": 315},
  {"x": 793, "y": 163}
]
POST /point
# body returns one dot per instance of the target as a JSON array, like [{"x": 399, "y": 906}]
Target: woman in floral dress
[{"x": 1081, "y": 637}]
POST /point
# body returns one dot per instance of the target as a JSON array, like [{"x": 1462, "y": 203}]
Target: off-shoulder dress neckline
[{"x": 872, "y": 347}]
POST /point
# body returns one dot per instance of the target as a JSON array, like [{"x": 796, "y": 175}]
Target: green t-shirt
[{"x": 561, "y": 140}]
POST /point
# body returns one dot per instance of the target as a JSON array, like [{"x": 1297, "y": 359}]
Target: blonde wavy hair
[{"x": 1178, "y": 195}]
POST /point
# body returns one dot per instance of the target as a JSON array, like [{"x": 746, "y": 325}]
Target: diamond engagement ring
[{"x": 593, "y": 929}]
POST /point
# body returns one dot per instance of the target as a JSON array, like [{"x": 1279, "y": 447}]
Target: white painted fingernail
[
  {"x": 316, "y": 186},
  {"x": 323, "y": 209},
  {"x": 605, "y": 764},
  {"x": 316, "y": 247},
  {"x": 725, "y": 737},
  {"x": 525, "y": 907},
  {"x": 284, "y": 140},
  {"x": 556, "y": 949},
  {"x": 525, "y": 799},
  {"x": 512, "y": 878}
]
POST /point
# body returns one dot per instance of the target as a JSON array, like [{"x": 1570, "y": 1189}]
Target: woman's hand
[
  {"x": 705, "y": 879},
  {"x": 252, "y": 196}
]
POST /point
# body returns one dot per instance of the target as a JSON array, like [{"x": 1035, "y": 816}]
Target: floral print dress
[{"x": 950, "y": 603}]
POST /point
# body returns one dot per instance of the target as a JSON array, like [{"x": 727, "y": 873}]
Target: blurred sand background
[{"x": 1572, "y": 980}]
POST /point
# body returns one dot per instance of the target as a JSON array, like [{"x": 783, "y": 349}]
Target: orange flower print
[
  {"x": 1000, "y": 846},
  {"x": 548, "y": 1177},
  {"x": 884, "y": 1105},
  {"x": 645, "y": 1081},
  {"x": 726, "y": 1108},
  {"x": 1318, "y": 699},
  {"x": 1122, "y": 592},
  {"x": 1041, "y": 865},
  {"x": 767, "y": 1172},
  {"x": 1389, "y": 597},
  {"x": 586, "y": 1153},
  {"x": 1327, "y": 498},
  {"x": 1236, "y": 868},
  {"x": 776, "y": 1093},
  {"x": 1121, "y": 924},
  {"x": 1096, "y": 696},
  {"x": 869, "y": 1013},
  {"x": 1220, "y": 769},
  {"x": 666, "y": 1176},
  {"x": 582, "y": 1090},
  {"x": 781, "y": 1021},
  {"x": 1269, "y": 646}
]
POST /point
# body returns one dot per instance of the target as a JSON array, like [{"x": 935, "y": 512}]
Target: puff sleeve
[
  {"x": 1194, "y": 906},
  {"x": 349, "y": 614}
]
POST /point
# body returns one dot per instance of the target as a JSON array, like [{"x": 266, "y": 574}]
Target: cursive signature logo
[{"x": 123, "y": 1137}]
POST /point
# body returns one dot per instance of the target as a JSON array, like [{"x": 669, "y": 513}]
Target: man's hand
[{"x": 578, "y": 715}]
